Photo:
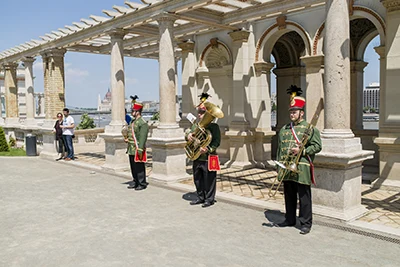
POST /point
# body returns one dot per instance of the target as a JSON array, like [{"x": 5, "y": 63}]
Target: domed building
[{"x": 105, "y": 104}]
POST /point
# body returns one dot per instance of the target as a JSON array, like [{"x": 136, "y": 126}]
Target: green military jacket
[
  {"x": 141, "y": 129},
  {"x": 215, "y": 140},
  {"x": 287, "y": 141}
]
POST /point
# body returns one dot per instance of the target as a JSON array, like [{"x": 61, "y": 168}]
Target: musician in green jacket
[
  {"x": 136, "y": 140},
  {"x": 298, "y": 183},
  {"x": 204, "y": 167}
]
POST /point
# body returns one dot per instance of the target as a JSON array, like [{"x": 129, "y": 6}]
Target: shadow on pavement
[
  {"x": 189, "y": 196},
  {"x": 274, "y": 217}
]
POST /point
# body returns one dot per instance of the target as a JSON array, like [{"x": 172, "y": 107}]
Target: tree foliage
[
  {"x": 3, "y": 142},
  {"x": 86, "y": 122},
  {"x": 156, "y": 116}
]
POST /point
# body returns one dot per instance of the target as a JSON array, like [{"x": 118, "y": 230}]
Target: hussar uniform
[
  {"x": 206, "y": 165},
  {"x": 298, "y": 183},
  {"x": 137, "y": 136}
]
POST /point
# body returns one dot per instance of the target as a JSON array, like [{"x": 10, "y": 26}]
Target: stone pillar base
[
  {"x": 49, "y": 148},
  {"x": 338, "y": 177},
  {"x": 241, "y": 140},
  {"x": 115, "y": 150},
  {"x": 169, "y": 158},
  {"x": 389, "y": 162},
  {"x": 1, "y": 121},
  {"x": 262, "y": 148}
]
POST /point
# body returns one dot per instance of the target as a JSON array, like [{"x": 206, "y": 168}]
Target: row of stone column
[{"x": 53, "y": 62}]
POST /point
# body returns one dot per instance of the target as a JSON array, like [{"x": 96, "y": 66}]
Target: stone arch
[
  {"x": 358, "y": 12},
  {"x": 267, "y": 41},
  {"x": 215, "y": 55}
]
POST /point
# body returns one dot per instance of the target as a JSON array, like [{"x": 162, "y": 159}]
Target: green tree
[
  {"x": 156, "y": 116},
  {"x": 3, "y": 142},
  {"x": 86, "y": 122}
]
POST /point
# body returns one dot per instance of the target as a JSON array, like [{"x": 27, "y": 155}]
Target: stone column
[
  {"x": 54, "y": 84},
  {"x": 188, "y": 81},
  {"x": 263, "y": 133},
  {"x": 54, "y": 97},
  {"x": 315, "y": 86},
  {"x": 284, "y": 79},
  {"x": 115, "y": 147},
  {"x": 167, "y": 141},
  {"x": 177, "y": 106},
  {"x": 41, "y": 101},
  {"x": 30, "y": 98},
  {"x": 356, "y": 95},
  {"x": 338, "y": 165},
  {"x": 389, "y": 111},
  {"x": 240, "y": 136},
  {"x": 11, "y": 94}
]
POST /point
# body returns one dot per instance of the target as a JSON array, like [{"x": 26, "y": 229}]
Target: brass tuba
[{"x": 201, "y": 137}]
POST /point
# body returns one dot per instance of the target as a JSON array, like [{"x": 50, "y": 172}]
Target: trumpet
[{"x": 289, "y": 165}]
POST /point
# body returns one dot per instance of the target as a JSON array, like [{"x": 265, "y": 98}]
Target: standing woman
[{"x": 59, "y": 136}]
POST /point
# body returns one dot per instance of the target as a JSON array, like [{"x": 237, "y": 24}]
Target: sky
[{"x": 88, "y": 75}]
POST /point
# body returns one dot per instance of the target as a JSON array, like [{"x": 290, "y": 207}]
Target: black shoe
[
  {"x": 140, "y": 187},
  {"x": 207, "y": 204},
  {"x": 59, "y": 159},
  {"x": 196, "y": 202},
  {"x": 131, "y": 186},
  {"x": 305, "y": 230},
  {"x": 285, "y": 224}
]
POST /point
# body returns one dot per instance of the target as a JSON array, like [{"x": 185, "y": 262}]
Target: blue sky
[{"x": 88, "y": 75}]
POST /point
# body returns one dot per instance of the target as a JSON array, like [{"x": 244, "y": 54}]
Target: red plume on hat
[
  {"x": 296, "y": 101},
  {"x": 136, "y": 106}
]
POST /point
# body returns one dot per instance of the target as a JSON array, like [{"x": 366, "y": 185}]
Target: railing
[{"x": 87, "y": 135}]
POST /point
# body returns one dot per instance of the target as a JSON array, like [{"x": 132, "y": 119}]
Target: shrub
[
  {"x": 86, "y": 122},
  {"x": 12, "y": 142},
  {"x": 156, "y": 116},
  {"x": 3, "y": 142}
]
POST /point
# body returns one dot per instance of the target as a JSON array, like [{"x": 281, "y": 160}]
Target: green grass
[{"x": 14, "y": 152}]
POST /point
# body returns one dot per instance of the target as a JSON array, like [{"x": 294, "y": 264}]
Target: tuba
[{"x": 201, "y": 137}]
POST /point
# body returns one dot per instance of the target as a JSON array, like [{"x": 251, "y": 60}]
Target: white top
[{"x": 68, "y": 121}]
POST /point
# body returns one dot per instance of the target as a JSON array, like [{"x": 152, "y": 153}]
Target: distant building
[
  {"x": 371, "y": 96},
  {"x": 105, "y": 104}
]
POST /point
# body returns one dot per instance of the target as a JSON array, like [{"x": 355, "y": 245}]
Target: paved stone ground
[
  {"x": 56, "y": 214},
  {"x": 383, "y": 205}
]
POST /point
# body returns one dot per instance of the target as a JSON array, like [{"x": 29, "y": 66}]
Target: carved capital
[
  {"x": 391, "y": 5},
  {"x": 262, "y": 67},
  {"x": 187, "y": 46},
  {"x": 164, "y": 17},
  {"x": 240, "y": 36},
  {"x": 27, "y": 60},
  {"x": 381, "y": 51},
  {"x": 357, "y": 66},
  {"x": 116, "y": 33},
  {"x": 56, "y": 52},
  {"x": 10, "y": 66},
  {"x": 313, "y": 63}
]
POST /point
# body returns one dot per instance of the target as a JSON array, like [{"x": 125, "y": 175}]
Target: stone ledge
[{"x": 340, "y": 161}]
